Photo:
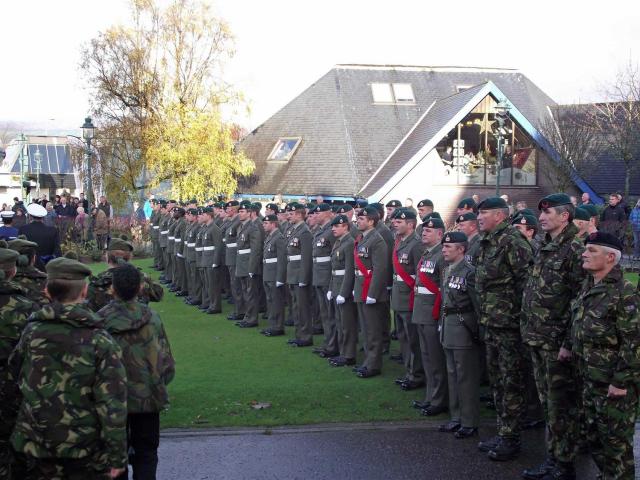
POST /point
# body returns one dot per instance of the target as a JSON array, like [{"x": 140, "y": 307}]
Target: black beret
[
  {"x": 340, "y": 220},
  {"x": 593, "y": 211},
  {"x": 604, "y": 239},
  {"x": 270, "y": 218},
  {"x": 465, "y": 217},
  {"x": 232, "y": 203},
  {"x": 554, "y": 200},
  {"x": 295, "y": 207},
  {"x": 431, "y": 215},
  {"x": 207, "y": 210},
  {"x": 256, "y": 207},
  {"x": 163, "y": 204},
  {"x": 528, "y": 220},
  {"x": 582, "y": 213},
  {"x": 492, "y": 203},
  {"x": 361, "y": 202},
  {"x": 369, "y": 211},
  {"x": 219, "y": 204},
  {"x": 179, "y": 210},
  {"x": 394, "y": 203},
  {"x": 282, "y": 210},
  {"x": 322, "y": 207},
  {"x": 433, "y": 222},
  {"x": 467, "y": 203},
  {"x": 404, "y": 214},
  {"x": 272, "y": 206},
  {"x": 193, "y": 211},
  {"x": 526, "y": 211},
  {"x": 425, "y": 203},
  {"x": 454, "y": 237},
  {"x": 67, "y": 269},
  {"x": 344, "y": 208}
]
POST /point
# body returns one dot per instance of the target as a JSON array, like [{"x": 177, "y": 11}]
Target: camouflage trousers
[
  {"x": 557, "y": 389},
  {"x": 610, "y": 426},
  {"x": 62, "y": 469},
  {"x": 505, "y": 366}
]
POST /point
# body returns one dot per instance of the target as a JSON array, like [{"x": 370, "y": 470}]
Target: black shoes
[
  {"x": 506, "y": 449},
  {"x": 411, "y": 385},
  {"x": 486, "y": 445},
  {"x": 214, "y": 311},
  {"x": 540, "y": 471},
  {"x": 420, "y": 405},
  {"x": 300, "y": 343},
  {"x": 269, "y": 332},
  {"x": 341, "y": 361},
  {"x": 449, "y": 427},
  {"x": 244, "y": 324},
  {"x": 432, "y": 411},
  {"x": 364, "y": 372},
  {"x": 325, "y": 354},
  {"x": 466, "y": 432},
  {"x": 234, "y": 317}
]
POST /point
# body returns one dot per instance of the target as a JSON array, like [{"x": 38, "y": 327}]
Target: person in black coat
[{"x": 46, "y": 237}]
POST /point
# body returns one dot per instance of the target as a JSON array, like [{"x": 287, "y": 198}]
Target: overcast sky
[{"x": 568, "y": 48}]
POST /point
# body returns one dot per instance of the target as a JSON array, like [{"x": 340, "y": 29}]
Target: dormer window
[
  {"x": 284, "y": 149},
  {"x": 392, "y": 93}
]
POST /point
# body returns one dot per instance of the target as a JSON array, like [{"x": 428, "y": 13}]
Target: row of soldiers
[
  {"x": 507, "y": 293},
  {"x": 84, "y": 366}
]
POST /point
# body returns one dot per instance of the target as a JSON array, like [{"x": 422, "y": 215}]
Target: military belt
[
  {"x": 164, "y": 232},
  {"x": 424, "y": 291},
  {"x": 199, "y": 249},
  {"x": 244, "y": 251},
  {"x": 208, "y": 249},
  {"x": 321, "y": 259},
  {"x": 179, "y": 255},
  {"x": 172, "y": 238},
  {"x": 191, "y": 244},
  {"x": 178, "y": 240},
  {"x": 338, "y": 273},
  {"x": 232, "y": 245},
  {"x": 398, "y": 278},
  {"x": 156, "y": 227},
  {"x": 293, "y": 258},
  {"x": 271, "y": 260},
  {"x": 360, "y": 274}
]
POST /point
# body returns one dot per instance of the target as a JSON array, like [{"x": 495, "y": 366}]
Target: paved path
[{"x": 341, "y": 452}]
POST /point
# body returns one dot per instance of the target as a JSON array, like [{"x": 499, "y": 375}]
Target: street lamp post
[
  {"x": 88, "y": 131},
  {"x": 24, "y": 163},
  {"x": 502, "y": 113},
  {"x": 38, "y": 161}
]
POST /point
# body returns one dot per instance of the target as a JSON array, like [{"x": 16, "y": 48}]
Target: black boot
[
  {"x": 539, "y": 471},
  {"x": 506, "y": 449}
]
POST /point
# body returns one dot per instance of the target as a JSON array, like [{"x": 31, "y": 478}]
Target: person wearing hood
[
  {"x": 147, "y": 358},
  {"x": 71, "y": 422}
]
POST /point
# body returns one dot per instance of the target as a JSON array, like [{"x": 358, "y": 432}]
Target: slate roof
[{"x": 346, "y": 137}]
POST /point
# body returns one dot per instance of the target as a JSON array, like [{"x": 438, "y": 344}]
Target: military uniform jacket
[
  {"x": 274, "y": 268},
  {"x": 198, "y": 247},
  {"x": 551, "y": 285},
  {"x": 15, "y": 308},
  {"x": 323, "y": 240},
  {"x": 181, "y": 237},
  {"x": 299, "y": 255},
  {"x": 212, "y": 245},
  {"x": 284, "y": 226},
  {"x": 387, "y": 236},
  {"x": 605, "y": 331},
  {"x": 343, "y": 268},
  {"x": 460, "y": 328},
  {"x": 191, "y": 233},
  {"x": 154, "y": 220},
  {"x": 408, "y": 252},
  {"x": 426, "y": 306},
  {"x": 372, "y": 251},
  {"x": 164, "y": 229},
  {"x": 171, "y": 236},
  {"x": 73, "y": 386},
  {"x": 230, "y": 241},
  {"x": 471, "y": 255},
  {"x": 249, "y": 251},
  {"x": 503, "y": 264},
  {"x": 32, "y": 281}
]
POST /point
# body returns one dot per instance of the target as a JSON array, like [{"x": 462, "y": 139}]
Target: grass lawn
[{"x": 221, "y": 369}]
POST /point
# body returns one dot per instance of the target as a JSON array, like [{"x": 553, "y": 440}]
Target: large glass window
[
  {"x": 468, "y": 153},
  {"x": 392, "y": 93}
]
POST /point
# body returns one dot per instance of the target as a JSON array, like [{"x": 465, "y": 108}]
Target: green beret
[
  {"x": 219, "y": 205},
  {"x": 8, "y": 256},
  {"x": 232, "y": 203},
  {"x": 467, "y": 203},
  {"x": 454, "y": 237},
  {"x": 369, "y": 211},
  {"x": 272, "y": 206},
  {"x": 344, "y": 208},
  {"x": 582, "y": 214},
  {"x": 394, "y": 203},
  {"x": 431, "y": 215},
  {"x": 340, "y": 220},
  {"x": 120, "y": 244},
  {"x": 528, "y": 220},
  {"x": 207, "y": 210},
  {"x": 526, "y": 211},
  {"x": 604, "y": 239},
  {"x": 404, "y": 214},
  {"x": 245, "y": 204},
  {"x": 258, "y": 204},
  {"x": 311, "y": 207},
  {"x": 282, "y": 210},
  {"x": 67, "y": 269},
  {"x": 193, "y": 211},
  {"x": 22, "y": 246},
  {"x": 322, "y": 207},
  {"x": 465, "y": 217},
  {"x": 270, "y": 218},
  {"x": 433, "y": 222},
  {"x": 179, "y": 210},
  {"x": 425, "y": 203},
  {"x": 593, "y": 211},
  {"x": 163, "y": 204},
  {"x": 256, "y": 207},
  {"x": 295, "y": 207},
  {"x": 554, "y": 200},
  {"x": 361, "y": 203},
  {"x": 492, "y": 203}
]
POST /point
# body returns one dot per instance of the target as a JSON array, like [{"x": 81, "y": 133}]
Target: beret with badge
[
  {"x": 454, "y": 237},
  {"x": 394, "y": 203},
  {"x": 295, "y": 207},
  {"x": 344, "y": 208},
  {"x": 465, "y": 217},
  {"x": 340, "y": 220},
  {"x": 433, "y": 222},
  {"x": 528, "y": 220},
  {"x": 272, "y": 206},
  {"x": 270, "y": 218},
  {"x": 67, "y": 269},
  {"x": 431, "y": 215},
  {"x": 492, "y": 203},
  {"x": 604, "y": 239},
  {"x": 322, "y": 207},
  {"x": 582, "y": 214},
  {"x": 425, "y": 203},
  {"x": 467, "y": 203},
  {"x": 404, "y": 214},
  {"x": 369, "y": 212},
  {"x": 232, "y": 203},
  {"x": 554, "y": 200}
]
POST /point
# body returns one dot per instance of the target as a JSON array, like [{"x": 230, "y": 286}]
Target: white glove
[
  {"x": 302, "y": 285},
  {"x": 329, "y": 296},
  {"x": 251, "y": 275},
  {"x": 279, "y": 284},
  {"x": 371, "y": 301},
  {"x": 340, "y": 300}
]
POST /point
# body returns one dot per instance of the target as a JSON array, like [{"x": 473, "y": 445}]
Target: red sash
[
  {"x": 365, "y": 273},
  {"x": 433, "y": 287},
  {"x": 406, "y": 278}
]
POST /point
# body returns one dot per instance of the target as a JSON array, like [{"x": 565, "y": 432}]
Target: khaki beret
[{"x": 67, "y": 269}]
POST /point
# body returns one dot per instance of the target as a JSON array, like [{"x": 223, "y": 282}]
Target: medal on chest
[
  {"x": 363, "y": 252},
  {"x": 428, "y": 267},
  {"x": 404, "y": 258},
  {"x": 295, "y": 242}
]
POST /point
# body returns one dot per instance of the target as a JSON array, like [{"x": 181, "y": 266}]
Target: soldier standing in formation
[{"x": 274, "y": 275}]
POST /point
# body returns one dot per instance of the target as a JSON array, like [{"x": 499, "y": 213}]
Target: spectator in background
[
  {"x": 634, "y": 219},
  {"x": 586, "y": 199},
  {"x": 574, "y": 200},
  {"x": 613, "y": 218},
  {"x": 137, "y": 216},
  {"x": 100, "y": 227},
  {"x": 4, "y": 207},
  {"x": 520, "y": 205},
  {"x": 147, "y": 207},
  {"x": 82, "y": 223},
  {"x": 20, "y": 219},
  {"x": 84, "y": 203},
  {"x": 50, "y": 218}
]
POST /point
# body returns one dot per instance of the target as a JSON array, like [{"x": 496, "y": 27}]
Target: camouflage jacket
[
  {"x": 73, "y": 385},
  {"x": 605, "y": 331},
  {"x": 502, "y": 267},
  {"x": 99, "y": 293},
  {"x": 15, "y": 309},
  {"x": 32, "y": 281},
  {"x": 146, "y": 353},
  {"x": 552, "y": 283}
]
